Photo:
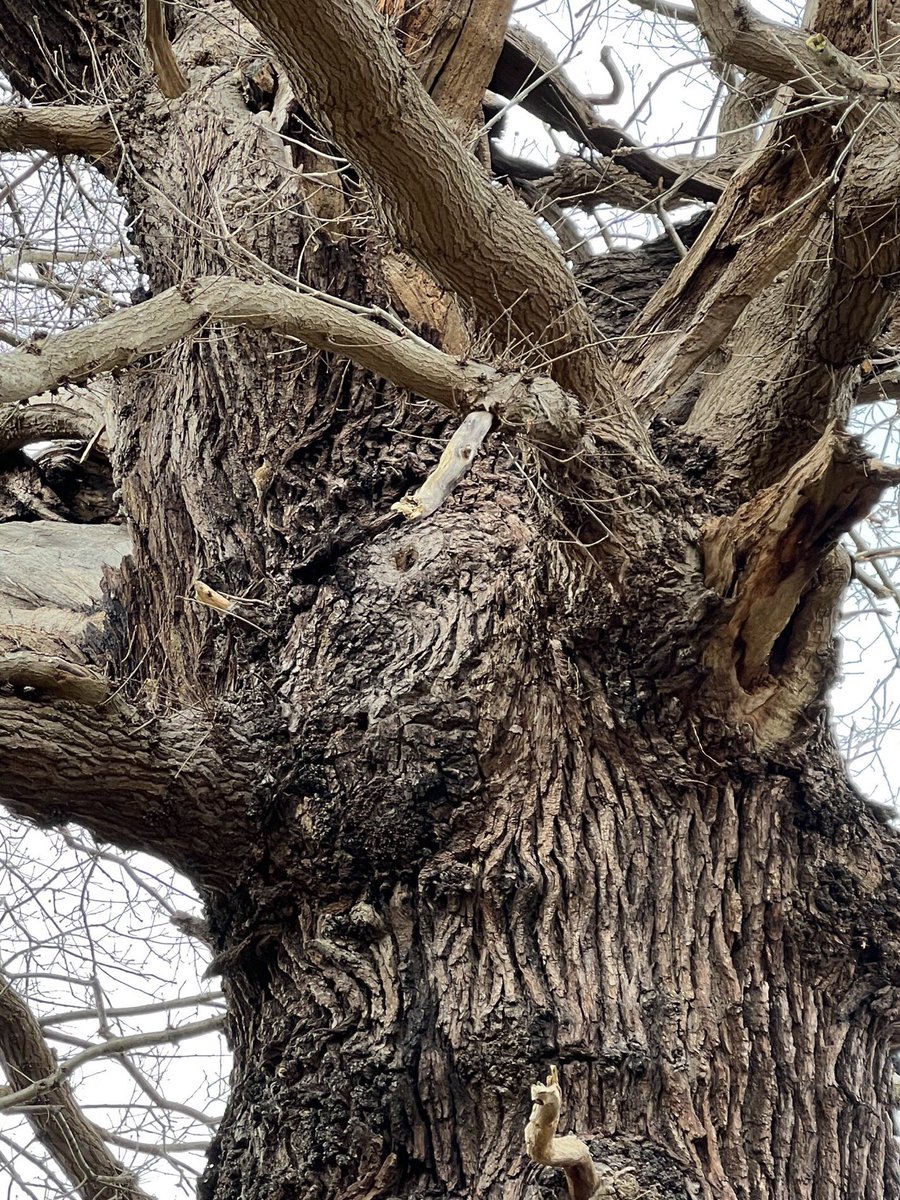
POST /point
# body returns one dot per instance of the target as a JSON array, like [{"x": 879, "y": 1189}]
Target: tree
[{"x": 536, "y": 776}]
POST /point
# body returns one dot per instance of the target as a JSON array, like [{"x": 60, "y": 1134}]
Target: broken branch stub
[
  {"x": 568, "y": 1153},
  {"x": 458, "y": 457},
  {"x": 770, "y": 563}
]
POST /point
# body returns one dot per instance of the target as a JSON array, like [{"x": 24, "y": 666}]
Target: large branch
[
  {"x": 62, "y": 129},
  {"x": 812, "y": 66},
  {"x": 766, "y": 213},
  {"x": 534, "y": 405},
  {"x": 74, "y": 1142},
  {"x": 473, "y": 237},
  {"x": 807, "y": 335},
  {"x": 51, "y": 584},
  {"x": 70, "y": 752}
]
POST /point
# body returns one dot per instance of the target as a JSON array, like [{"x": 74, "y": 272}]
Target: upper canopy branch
[
  {"x": 473, "y": 237},
  {"x": 528, "y": 69},
  {"x": 812, "y": 66}
]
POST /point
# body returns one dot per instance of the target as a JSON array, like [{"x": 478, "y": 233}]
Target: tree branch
[
  {"x": 767, "y": 211},
  {"x": 162, "y": 785},
  {"x": 528, "y": 68},
  {"x": 45, "y": 420},
  {"x": 62, "y": 129},
  {"x": 812, "y": 66},
  {"x": 172, "y": 82},
  {"x": 61, "y": 1127},
  {"x": 474, "y": 238},
  {"x": 532, "y": 405},
  {"x": 807, "y": 334},
  {"x": 665, "y": 8},
  {"x": 52, "y": 676}
]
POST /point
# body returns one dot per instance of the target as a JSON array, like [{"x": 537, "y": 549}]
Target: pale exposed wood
[
  {"x": 455, "y": 462},
  {"x": 426, "y": 304},
  {"x": 63, "y": 129},
  {"x": 172, "y": 81},
  {"x": 763, "y": 559},
  {"x": 568, "y": 1153}
]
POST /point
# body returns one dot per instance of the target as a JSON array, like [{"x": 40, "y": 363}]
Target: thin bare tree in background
[{"x": 424, "y": 538}]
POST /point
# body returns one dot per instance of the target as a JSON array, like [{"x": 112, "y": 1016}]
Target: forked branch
[
  {"x": 534, "y": 406},
  {"x": 474, "y": 238}
]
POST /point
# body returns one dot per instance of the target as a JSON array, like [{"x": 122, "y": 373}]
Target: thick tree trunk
[{"x": 498, "y": 820}]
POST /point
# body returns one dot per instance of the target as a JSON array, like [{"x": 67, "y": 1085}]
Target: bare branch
[
  {"x": 474, "y": 238},
  {"x": 112, "y": 1046},
  {"x": 135, "y": 1010},
  {"x": 123, "y": 337},
  {"x": 528, "y": 68},
  {"x": 42, "y": 420},
  {"x": 172, "y": 82},
  {"x": 664, "y": 8},
  {"x": 62, "y": 129},
  {"x": 806, "y": 335},
  {"x": 177, "y": 786},
  {"x": 812, "y": 66},
  {"x": 73, "y": 1141}
]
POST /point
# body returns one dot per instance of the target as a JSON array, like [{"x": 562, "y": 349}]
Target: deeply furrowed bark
[{"x": 502, "y": 816}]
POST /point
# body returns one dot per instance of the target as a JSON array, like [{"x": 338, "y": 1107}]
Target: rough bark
[{"x": 472, "y": 795}]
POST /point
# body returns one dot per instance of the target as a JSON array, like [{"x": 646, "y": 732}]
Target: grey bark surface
[{"x": 470, "y": 798}]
